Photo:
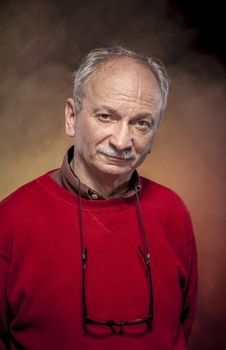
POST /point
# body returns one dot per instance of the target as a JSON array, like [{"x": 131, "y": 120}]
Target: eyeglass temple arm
[
  {"x": 147, "y": 259},
  {"x": 143, "y": 228},
  {"x": 84, "y": 253},
  {"x": 84, "y": 260}
]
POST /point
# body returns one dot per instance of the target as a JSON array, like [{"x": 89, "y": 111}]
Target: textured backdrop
[{"x": 41, "y": 42}]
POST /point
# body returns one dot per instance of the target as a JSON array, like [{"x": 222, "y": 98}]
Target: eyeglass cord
[{"x": 146, "y": 257}]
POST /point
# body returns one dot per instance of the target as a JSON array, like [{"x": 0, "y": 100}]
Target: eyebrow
[
  {"x": 107, "y": 108},
  {"x": 115, "y": 112}
]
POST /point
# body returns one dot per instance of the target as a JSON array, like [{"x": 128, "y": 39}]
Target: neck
[{"x": 108, "y": 185}]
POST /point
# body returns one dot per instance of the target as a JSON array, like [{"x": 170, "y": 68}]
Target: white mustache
[{"x": 112, "y": 152}]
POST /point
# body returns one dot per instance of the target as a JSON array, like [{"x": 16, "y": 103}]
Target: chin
[{"x": 116, "y": 170}]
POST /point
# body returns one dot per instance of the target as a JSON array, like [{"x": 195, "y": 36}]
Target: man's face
[{"x": 115, "y": 127}]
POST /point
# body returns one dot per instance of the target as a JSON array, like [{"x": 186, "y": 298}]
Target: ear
[{"x": 70, "y": 116}]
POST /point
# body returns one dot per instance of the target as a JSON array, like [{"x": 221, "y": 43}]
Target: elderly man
[{"x": 93, "y": 256}]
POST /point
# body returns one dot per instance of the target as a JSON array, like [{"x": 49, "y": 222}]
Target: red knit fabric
[{"x": 41, "y": 269}]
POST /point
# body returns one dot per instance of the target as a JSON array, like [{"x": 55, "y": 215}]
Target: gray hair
[{"x": 99, "y": 56}]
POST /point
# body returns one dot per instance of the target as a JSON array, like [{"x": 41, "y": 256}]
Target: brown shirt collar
[{"x": 67, "y": 179}]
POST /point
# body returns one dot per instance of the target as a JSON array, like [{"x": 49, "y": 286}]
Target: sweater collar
[{"x": 68, "y": 179}]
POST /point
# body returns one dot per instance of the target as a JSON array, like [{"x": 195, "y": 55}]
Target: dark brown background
[{"x": 41, "y": 42}]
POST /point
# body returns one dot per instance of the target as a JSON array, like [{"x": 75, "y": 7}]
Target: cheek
[
  {"x": 87, "y": 141},
  {"x": 143, "y": 146},
  {"x": 82, "y": 133}
]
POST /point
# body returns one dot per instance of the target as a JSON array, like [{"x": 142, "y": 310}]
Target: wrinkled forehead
[{"x": 124, "y": 74}]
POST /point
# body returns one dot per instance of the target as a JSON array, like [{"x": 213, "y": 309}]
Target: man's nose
[{"x": 121, "y": 137}]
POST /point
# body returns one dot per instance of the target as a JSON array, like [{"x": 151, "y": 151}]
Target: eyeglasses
[{"x": 111, "y": 323}]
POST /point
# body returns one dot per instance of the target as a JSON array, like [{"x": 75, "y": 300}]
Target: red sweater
[{"x": 41, "y": 270}]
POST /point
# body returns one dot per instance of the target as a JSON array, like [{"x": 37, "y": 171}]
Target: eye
[
  {"x": 144, "y": 124},
  {"x": 104, "y": 117}
]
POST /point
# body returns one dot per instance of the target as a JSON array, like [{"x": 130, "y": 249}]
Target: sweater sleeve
[
  {"x": 190, "y": 292},
  {"x": 4, "y": 268}
]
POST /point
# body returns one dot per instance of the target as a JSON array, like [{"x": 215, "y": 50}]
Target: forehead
[{"x": 123, "y": 79}]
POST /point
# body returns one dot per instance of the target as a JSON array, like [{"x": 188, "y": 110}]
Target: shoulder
[
  {"x": 153, "y": 191},
  {"x": 23, "y": 197},
  {"x": 20, "y": 211},
  {"x": 164, "y": 202},
  {"x": 13, "y": 208}
]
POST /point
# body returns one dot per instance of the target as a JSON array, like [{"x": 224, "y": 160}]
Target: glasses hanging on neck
[{"x": 111, "y": 324}]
